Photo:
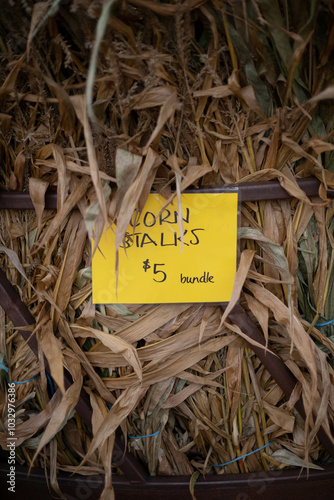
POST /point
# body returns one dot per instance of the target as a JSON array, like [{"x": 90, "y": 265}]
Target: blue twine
[
  {"x": 4, "y": 367},
  {"x": 243, "y": 456},
  {"x": 11, "y": 381},
  {"x": 325, "y": 324},
  {"x": 23, "y": 381},
  {"x": 142, "y": 437},
  {"x": 50, "y": 383}
]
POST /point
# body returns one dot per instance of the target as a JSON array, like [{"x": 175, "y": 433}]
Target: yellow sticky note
[{"x": 152, "y": 267}]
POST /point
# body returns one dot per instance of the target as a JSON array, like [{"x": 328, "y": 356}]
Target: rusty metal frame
[{"x": 134, "y": 472}]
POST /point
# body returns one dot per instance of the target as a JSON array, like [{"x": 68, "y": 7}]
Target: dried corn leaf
[
  {"x": 132, "y": 196},
  {"x": 65, "y": 407},
  {"x": 52, "y": 350},
  {"x": 288, "y": 458},
  {"x": 117, "y": 345},
  {"x": 124, "y": 405}
]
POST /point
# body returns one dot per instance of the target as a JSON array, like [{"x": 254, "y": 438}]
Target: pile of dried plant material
[{"x": 105, "y": 101}]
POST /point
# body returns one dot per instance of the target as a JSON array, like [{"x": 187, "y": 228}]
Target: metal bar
[
  {"x": 272, "y": 190},
  {"x": 276, "y": 367},
  {"x": 266, "y": 190},
  {"x": 19, "y": 314},
  {"x": 255, "y": 191},
  {"x": 17, "y": 200}
]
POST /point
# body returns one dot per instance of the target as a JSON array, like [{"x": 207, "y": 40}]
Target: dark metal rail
[{"x": 257, "y": 191}]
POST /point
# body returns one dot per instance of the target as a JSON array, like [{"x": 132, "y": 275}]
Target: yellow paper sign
[{"x": 152, "y": 266}]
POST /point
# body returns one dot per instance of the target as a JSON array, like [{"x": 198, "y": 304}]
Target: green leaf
[
  {"x": 245, "y": 58},
  {"x": 100, "y": 30},
  {"x": 192, "y": 483},
  {"x": 272, "y": 14}
]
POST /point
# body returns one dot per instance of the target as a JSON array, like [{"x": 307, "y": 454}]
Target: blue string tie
[
  {"x": 243, "y": 456},
  {"x": 23, "y": 381},
  {"x": 325, "y": 324},
  {"x": 143, "y": 437},
  {"x": 4, "y": 367},
  {"x": 11, "y": 381},
  {"x": 50, "y": 383}
]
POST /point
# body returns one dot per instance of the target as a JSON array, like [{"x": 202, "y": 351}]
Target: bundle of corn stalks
[{"x": 104, "y": 101}]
